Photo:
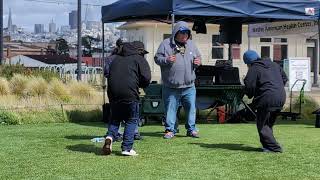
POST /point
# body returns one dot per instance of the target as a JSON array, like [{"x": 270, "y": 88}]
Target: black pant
[{"x": 265, "y": 121}]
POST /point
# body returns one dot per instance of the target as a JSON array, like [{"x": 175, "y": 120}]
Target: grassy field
[{"x": 229, "y": 151}]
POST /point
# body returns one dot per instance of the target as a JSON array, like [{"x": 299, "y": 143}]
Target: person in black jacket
[
  {"x": 117, "y": 51},
  {"x": 265, "y": 83},
  {"x": 127, "y": 72}
]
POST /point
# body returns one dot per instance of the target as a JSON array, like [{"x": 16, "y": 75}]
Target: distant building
[
  {"x": 14, "y": 28},
  {"x": 64, "y": 29},
  {"x": 38, "y": 28},
  {"x": 73, "y": 19},
  {"x": 10, "y": 22},
  {"x": 52, "y": 27},
  {"x": 93, "y": 25},
  {"x": 34, "y": 61}
]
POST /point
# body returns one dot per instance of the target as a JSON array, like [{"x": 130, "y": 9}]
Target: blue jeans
[
  {"x": 172, "y": 98},
  {"x": 129, "y": 113},
  {"x": 136, "y": 130}
]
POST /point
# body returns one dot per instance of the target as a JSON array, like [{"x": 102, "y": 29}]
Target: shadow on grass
[
  {"x": 90, "y": 148},
  {"x": 233, "y": 147},
  {"x": 85, "y": 148},
  {"x": 156, "y": 134},
  {"x": 80, "y": 137}
]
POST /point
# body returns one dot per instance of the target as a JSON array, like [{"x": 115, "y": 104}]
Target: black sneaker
[
  {"x": 138, "y": 137},
  {"x": 118, "y": 138},
  {"x": 193, "y": 134}
]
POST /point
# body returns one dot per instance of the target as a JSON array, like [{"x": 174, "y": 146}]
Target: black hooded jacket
[
  {"x": 265, "y": 82},
  {"x": 126, "y": 73}
]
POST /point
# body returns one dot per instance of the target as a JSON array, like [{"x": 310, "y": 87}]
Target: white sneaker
[
  {"x": 129, "y": 153},
  {"x": 107, "y": 147}
]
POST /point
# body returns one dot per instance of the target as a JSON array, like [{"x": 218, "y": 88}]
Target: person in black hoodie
[
  {"x": 127, "y": 72},
  {"x": 117, "y": 51},
  {"x": 265, "y": 83}
]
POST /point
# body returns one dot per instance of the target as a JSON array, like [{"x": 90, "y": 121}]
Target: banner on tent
[{"x": 282, "y": 28}]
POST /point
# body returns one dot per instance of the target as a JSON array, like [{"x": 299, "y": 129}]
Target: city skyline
[{"x": 26, "y": 14}]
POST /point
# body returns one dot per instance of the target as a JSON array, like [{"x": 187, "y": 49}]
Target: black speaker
[
  {"x": 231, "y": 32},
  {"x": 227, "y": 75},
  {"x": 200, "y": 27}
]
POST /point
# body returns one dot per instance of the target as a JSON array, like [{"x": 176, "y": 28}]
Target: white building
[{"x": 277, "y": 48}]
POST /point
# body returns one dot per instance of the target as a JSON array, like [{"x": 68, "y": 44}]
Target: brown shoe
[{"x": 107, "y": 147}]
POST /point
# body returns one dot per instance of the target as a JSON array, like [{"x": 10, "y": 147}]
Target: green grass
[{"x": 229, "y": 151}]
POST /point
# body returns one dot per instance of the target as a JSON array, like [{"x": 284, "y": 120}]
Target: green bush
[
  {"x": 45, "y": 74},
  {"x": 10, "y": 118},
  {"x": 307, "y": 107},
  {"x": 49, "y": 116},
  {"x": 84, "y": 115},
  {"x": 8, "y": 71},
  {"x": 38, "y": 117}
]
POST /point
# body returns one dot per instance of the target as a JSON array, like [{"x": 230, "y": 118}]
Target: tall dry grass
[
  {"x": 18, "y": 84},
  {"x": 4, "y": 87},
  {"x": 37, "y": 86},
  {"x": 59, "y": 91},
  {"x": 81, "y": 89}
]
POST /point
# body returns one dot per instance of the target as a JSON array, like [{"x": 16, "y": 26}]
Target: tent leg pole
[
  {"x": 249, "y": 43},
  {"x": 230, "y": 54},
  {"x": 103, "y": 64},
  {"x": 172, "y": 22},
  {"x": 316, "y": 64}
]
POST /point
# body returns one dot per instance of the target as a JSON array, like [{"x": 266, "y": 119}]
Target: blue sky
[{"x": 27, "y": 13}]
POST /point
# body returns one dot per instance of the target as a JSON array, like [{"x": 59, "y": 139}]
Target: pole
[
  {"x": 79, "y": 43},
  {"x": 316, "y": 64},
  {"x": 249, "y": 43},
  {"x": 230, "y": 54},
  {"x": 172, "y": 23},
  {"x": 103, "y": 64},
  {"x": 1, "y": 32}
]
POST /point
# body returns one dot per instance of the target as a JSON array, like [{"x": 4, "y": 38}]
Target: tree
[
  {"x": 62, "y": 47},
  {"x": 87, "y": 42}
]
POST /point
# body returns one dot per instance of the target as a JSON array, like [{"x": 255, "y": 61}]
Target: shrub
[
  {"x": 18, "y": 84},
  {"x": 307, "y": 107},
  {"x": 59, "y": 91},
  {"x": 38, "y": 117},
  {"x": 84, "y": 115},
  {"x": 8, "y": 71},
  {"x": 4, "y": 87},
  {"x": 45, "y": 74},
  {"x": 37, "y": 86},
  {"x": 10, "y": 118},
  {"x": 81, "y": 89}
]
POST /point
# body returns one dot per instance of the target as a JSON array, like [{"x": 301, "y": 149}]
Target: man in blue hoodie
[
  {"x": 265, "y": 83},
  {"x": 178, "y": 57}
]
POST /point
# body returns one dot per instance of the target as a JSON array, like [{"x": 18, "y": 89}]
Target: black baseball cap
[{"x": 140, "y": 46}]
